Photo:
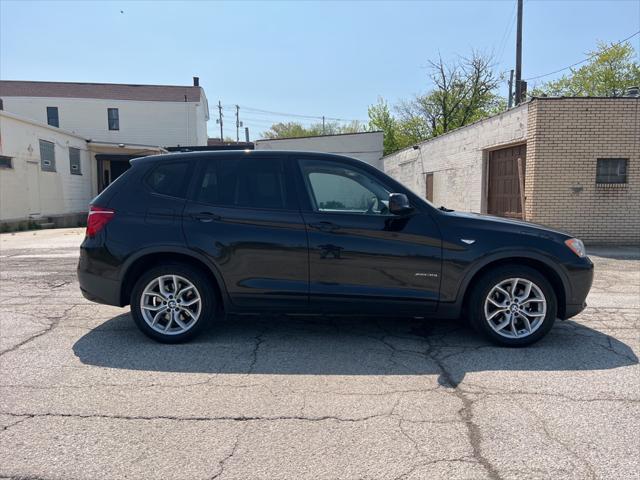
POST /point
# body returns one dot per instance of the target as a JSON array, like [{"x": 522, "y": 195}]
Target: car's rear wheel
[
  {"x": 513, "y": 305},
  {"x": 172, "y": 303}
]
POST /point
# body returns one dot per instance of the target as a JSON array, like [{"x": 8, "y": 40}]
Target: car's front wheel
[
  {"x": 513, "y": 305},
  {"x": 172, "y": 303}
]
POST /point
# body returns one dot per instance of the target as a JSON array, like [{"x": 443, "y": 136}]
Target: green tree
[
  {"x": 296, "y": 129},
  {"x": 610, "y": 71},
  {"x": 380, "y": 118},
  {"x": 464, "y": 92}
]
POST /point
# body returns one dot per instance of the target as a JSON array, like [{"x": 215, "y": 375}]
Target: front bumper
[{"x": 580, "y": 276}]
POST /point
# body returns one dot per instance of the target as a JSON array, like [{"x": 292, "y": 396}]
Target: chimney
[{"x": 196, "y": 81}]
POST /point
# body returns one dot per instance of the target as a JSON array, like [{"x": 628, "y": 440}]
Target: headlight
[{"x": 576, "y": 247}]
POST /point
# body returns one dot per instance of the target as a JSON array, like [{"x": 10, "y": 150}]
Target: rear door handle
[
  {"x": 206, "y": 217},
  {"x": 325, "y": 226}
]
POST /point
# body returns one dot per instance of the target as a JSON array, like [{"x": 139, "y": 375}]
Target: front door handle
[
  {"x": 325, "y": 226},
  {"x": 206, "y": 217}
]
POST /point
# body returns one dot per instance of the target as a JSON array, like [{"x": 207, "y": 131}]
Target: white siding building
[
  {"x": 33, "y": 185},
  {"x": 156, "y": 115},
  {"x": 365, "y": 146},
  {"x": 62, "y": 143}
]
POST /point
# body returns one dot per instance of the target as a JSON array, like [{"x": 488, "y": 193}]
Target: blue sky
[{"x": 310, "y": 58}]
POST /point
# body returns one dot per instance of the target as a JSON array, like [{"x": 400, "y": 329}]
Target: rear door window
[{"x": 247, "y": 183}]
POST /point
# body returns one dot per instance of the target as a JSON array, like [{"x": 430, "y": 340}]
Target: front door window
[{"x": 335, "y": 188}]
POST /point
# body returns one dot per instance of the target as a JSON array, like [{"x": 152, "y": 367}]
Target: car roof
[{"x": 240, "y": 154}]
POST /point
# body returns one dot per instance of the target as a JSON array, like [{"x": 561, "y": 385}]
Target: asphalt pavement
[{"x": 84, "y": 395}]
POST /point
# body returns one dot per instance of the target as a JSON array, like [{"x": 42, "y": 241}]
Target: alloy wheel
[
  {"x": 170, "y": 304},
  {"x": 515, "y": 308}
]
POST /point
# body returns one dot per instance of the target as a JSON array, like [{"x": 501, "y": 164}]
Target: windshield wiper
[{"x": 445, "y": 209}]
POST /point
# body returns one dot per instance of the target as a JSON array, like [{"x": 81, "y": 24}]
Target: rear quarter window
[{"x": 169, "y": 179}]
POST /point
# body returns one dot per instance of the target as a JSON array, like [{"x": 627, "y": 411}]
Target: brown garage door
[{"x": 504, "y": 197}]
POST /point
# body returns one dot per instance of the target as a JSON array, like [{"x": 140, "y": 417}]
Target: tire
[
  {"x": 182, "y": 316},
  {"x": 488, "y": 310}
]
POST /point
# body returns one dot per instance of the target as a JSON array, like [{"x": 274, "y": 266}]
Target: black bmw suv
[{"x": 185, "y": 238}]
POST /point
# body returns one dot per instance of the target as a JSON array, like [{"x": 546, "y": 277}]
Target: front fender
[{"x": 460, "y": 276}]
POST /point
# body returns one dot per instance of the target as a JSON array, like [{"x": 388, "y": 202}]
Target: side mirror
[{"x": 399, "y": 204}]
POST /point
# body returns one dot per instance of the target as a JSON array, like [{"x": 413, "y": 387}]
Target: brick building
[{"x": 574, "y": 163}]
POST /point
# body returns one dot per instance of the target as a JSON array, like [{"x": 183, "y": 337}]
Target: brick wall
[
  {"x": 457, "y": 160},
  {"x": 565, "y": 138}
]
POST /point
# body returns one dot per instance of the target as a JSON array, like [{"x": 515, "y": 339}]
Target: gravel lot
[{"x": 84, "y": 395}]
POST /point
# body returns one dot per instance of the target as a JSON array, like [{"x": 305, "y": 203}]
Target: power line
[
  {"x": 507, "y": 33},
  {"x": 260, "y": 111},
  {"x": 586, "y": 59}
]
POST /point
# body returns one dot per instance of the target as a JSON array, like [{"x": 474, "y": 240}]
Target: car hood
[{"x": 508, "y": 224}]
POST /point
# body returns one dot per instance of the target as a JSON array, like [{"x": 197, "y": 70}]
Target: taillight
[{"x": 96, "y": 220}]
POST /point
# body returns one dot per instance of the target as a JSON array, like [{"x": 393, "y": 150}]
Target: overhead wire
[{"x": 584, "y": 60}]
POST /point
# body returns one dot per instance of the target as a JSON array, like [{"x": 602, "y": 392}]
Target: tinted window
[
  {"x": 334, "y": 187},
  {"x": 169, "y": 179},
  {"x": 250, "y": 183}
]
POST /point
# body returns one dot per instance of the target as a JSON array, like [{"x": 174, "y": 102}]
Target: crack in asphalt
[
  {"x": 474, "y": 433},
  {"x": 222, "y": 463},
  {"x": 54, "y": 323},
  {"x": 567, "y": 448},
  {"x": 446, "y": 379},
  {"x": 254, "y": 354},
  {"x": 230, "y": 418}
]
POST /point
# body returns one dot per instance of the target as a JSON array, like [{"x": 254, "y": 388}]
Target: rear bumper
[
  {"x": 99, "y": 289},
  {"x": 98, "y": 280}
]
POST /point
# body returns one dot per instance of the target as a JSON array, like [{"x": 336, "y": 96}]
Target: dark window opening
[
  {"x": 113, "y": 118},
  {"x": 74, "y": 161},
  {"x": 47, "y": 156},
  {"x": 429, "y": 187},
  {"x": 611, "y": 171},
  {"x": 169, "y": 179},
  {"x": 5, "y": 162},
  {"x": 52, "y": 117}
]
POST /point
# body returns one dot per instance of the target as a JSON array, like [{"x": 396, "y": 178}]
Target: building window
[
  {"x": 5, "y": 162},
  {"x": 611, "y": 171},
  {"x": 47, "y": 156},
  {"x": 52, "y": 116},
  {"x": 113, "y": 118},
  {"x": 74, "y": 161}
]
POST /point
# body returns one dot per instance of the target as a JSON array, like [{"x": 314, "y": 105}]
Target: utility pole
[
  {"x": 323, "y": 125},
  {"x": 518, "y": 98},
  {"x": 220, "y": 120},
  {"x": 246, "y": 134},
  {"x": 510, "y": 101},
  {"x": 237, "y": 123}
]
